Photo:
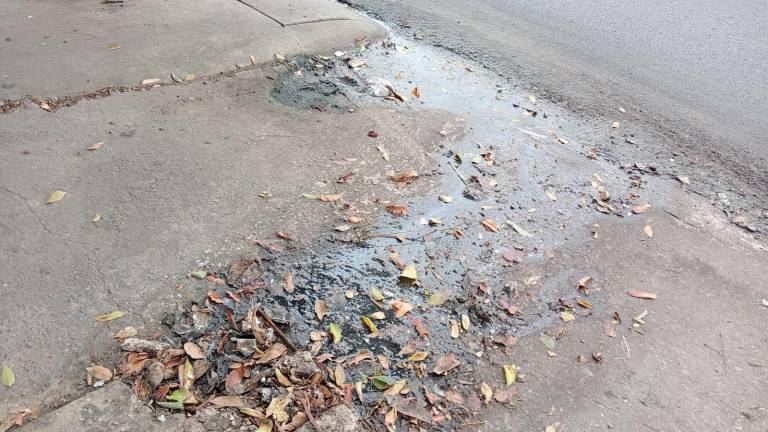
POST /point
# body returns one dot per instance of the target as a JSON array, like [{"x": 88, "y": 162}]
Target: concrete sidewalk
[{"x": 60, "y": 48}]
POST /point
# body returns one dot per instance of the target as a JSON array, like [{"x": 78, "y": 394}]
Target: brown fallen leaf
[
  {"x": 99, "y": 372},
  {"x": 274, "y": 352},
  {"x": 288, "y": 285},
  {"x": 283, "y": 235},
  {"x": 405, "y": 176},
  {"x": 408, "y": 348},
  {"x": 487, "y": 393},
  {"x": 454, "y": 329},
  {"x": 321, "y": 309},
  {"x": 391, "y": 416},
  {"x": 233, "y": 379},
  {"x": 345, "y": 178},
  {"x": 400, "y": 307},
  {"x": 329, "y": 198},
  {"x": 194, "y": 351},
  {"x": 490, "y": 225},
  {"x": 642, "y": 295},
  {"x": 416, "y": 92},
  {"x": 642, "y": 208},
  {"x": 339, "y": 376},
  {"x": 397, "y": 210},
  {"x": 446, "y": 363},
  {"x": 421, "y": 329},
  {"x": 583, "y": 284},
  {"x": 215, "y": 297}
]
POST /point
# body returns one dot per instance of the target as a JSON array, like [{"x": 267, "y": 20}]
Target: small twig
[
  {"x": 308, "y": 412},
  {"x": 277, "y": 330},
  {"x": 625, "y": 345},
  {"x": 461, "y": 176}
]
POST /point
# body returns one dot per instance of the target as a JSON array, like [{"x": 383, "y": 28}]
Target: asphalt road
[{"x": 696, "y": 70}]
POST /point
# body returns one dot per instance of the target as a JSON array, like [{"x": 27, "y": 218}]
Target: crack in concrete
[{"x": 34, "y": 215}]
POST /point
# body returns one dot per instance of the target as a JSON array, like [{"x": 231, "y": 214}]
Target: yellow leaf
[
  {"x": 359, "y": 390},
  {"x": 376, "y": 295},
  {"x": 368, "y": 323},
  {"x": 264, "y": 426},
  {"x": 465, "y": 321},
  {"x": 339, "y": 376},
  {"x": 418, "y": 356},
  {"x": 8, "y": 377},
  {"x": 335, "y": 332},
  {"x": 55, "y": 196},
  {"x": 437, "y": 299},
  {"x": 409, "y": 272},
  {"x": 110, "y": 316},
  {"x": 396, "y": 388},
  {"x": 282, "y": 379},
  {"x": 510, "y": 374},
  {"x": 583, "y": 303},
  {"x": 188, "y": 377},
  {"x": 567, "y": 316}
]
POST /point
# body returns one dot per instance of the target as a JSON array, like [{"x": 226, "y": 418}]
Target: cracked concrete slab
[{"x": 101, "y": 45}]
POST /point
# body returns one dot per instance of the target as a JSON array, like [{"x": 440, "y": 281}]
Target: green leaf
[
  {"x": 8, "y": 377},
  {"x": 177, "y": 396},
  {"x": 310, "y": 196},
  {"x": 376, "y": 295},
  {"x": 368, "y": 323},
  {"x": 171, "y": 405},
  {"x": 382, "y": 382},
  {"x": 335, "y": 332}
]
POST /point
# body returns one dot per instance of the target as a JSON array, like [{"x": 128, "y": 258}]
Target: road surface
[{"x": 696, "y": 70}]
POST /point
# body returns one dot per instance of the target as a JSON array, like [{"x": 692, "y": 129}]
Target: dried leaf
[
  {"x": 465, "y": 323},
  {"x": 391, "y": 416},
  {"x": 615, "y": 124},
  {"x": 648, "y": 231},
  {"x": 416, "y": 92},
  {"x": 376, "y": 295},
  {"x": 228, "y": 401},
  {"x": 400, "y": 307},
  {"x": 359, "y": 390},
  {"x": 276, "y": 409},
  {"x": 405, "y": 176},
  {"x": 339, "y": 376},
  {"x": 583, "y": 303},
  {"x": 200, "y": 274},
  {"x": 490, "y": 225},
  {"x": 408, "y": 348},
  {"x": 447, "y": 199},
  {"x": 409, "y": 273},
  {"x": 55, "y": 196},
  {"x": 454, "y": 329},
  {"x": 110, "y": 316},
  {"x": 113, "y": 46},
  {"x": 272, "y": 353},
  {"x": 446, "y": 363},
  {"x": 397, "y": 210},
  {"x": 282, "y": 379},
  {"x": 485, "y": 389},
  {"x": 520, "y": 230},
  {"x": 642, "y": 208},
  {"x": 215, "y": 297},
  {"x": 265, "y": 425},
  {"x": 99, "y": 372},
  {"x": 418, "y": 356},
  {"x": 396, "y": 388},
  {"x": 567, "y": 316},
  {"x": 437, "y": 299},
  {"x": 684, "y": 180},
  {"x": 378, "y": 315},
  {"x": 583, "y": 284},
  {"x": 321, "y": 309},
  {"x": 194, "y": 351},
  {"x": 342, "y": 228},
  {"x": 96, "y": 146},
  {"x": 126, "y": 333},
  {"x": 510, "y": 374},
  {"x": 642, "y": 295},
  {"x": 335, "y": 332},
  {"x": 187, "y": 377},
  {"x": 329, "y": 198},
  {"x": 150, "y": 81},
  {"x": 288, "y": 285},
  {"x": 421, "y": 329},
  {"x": 371, "y": 326}
]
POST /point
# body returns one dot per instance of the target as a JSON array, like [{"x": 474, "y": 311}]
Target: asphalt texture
[{"x": 694, "y": 72}]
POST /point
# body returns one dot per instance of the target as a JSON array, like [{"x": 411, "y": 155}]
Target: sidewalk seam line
[{"x": 261, "y": 12}]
